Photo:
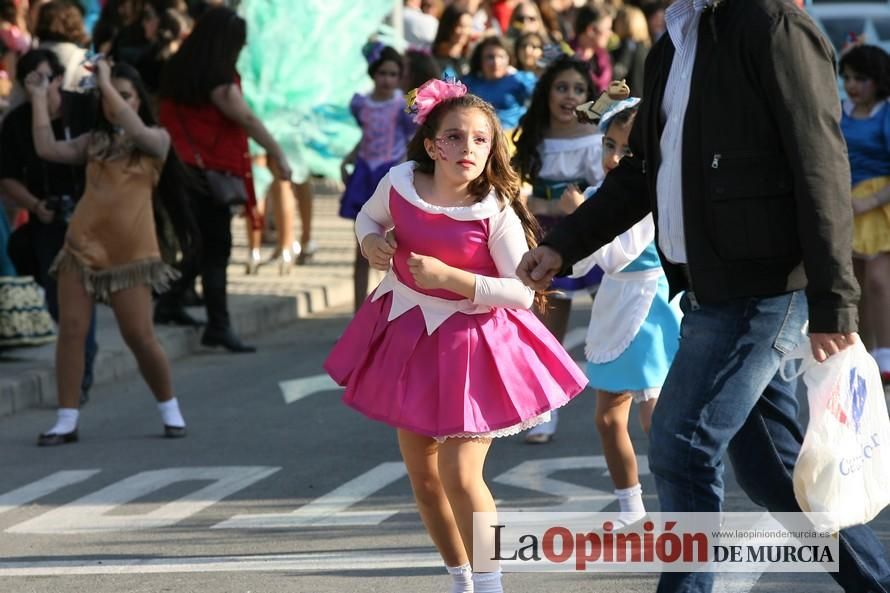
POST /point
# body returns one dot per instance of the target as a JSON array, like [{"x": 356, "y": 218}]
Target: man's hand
[
  {"x": 824, "y": 345},
  {"x": 538, "y": 267}
]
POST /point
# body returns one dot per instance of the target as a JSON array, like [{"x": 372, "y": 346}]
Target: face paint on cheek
[
  {"x": 454, "y": 147},
  {"x": 440, "y": 152},
  {"x": 450, "y": 148}
]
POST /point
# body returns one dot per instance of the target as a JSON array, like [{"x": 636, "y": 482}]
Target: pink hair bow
[{"x": 421, "y": 101}]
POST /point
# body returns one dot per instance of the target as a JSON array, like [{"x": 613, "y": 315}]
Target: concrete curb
[{"x": 257, "y": 304}]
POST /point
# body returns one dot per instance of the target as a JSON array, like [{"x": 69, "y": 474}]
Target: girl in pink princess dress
[{"x": 446, "y": 349}]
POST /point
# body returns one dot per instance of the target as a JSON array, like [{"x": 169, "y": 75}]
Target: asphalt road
[{"x": 266, "y": 496}]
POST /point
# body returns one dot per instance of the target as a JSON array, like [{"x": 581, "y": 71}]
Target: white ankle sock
[
  {"x": 462, "y": 577},
  {"x": 487, "y": 582},
  {"x": 882, "y": 355},
  {"x": 170, "y": 413},
  {"x": 630, "y": 503},
  {"x": 66, "y": 421}
]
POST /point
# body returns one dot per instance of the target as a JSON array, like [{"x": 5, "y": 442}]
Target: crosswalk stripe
[{"x": 303, "y": 562}]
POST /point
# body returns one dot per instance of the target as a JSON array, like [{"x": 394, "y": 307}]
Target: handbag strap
[{"x": 188, "y": 138}]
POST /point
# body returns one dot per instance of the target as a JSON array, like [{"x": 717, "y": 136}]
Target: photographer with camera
[{"x": 48, "y": 190}]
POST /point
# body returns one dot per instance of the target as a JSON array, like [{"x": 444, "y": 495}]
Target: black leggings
[{"x": 215, "y": 228}]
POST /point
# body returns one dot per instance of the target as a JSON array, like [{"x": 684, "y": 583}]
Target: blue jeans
[{"x": 724, "y": 394}]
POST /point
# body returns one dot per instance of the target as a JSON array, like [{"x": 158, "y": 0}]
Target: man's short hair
[{"x": 29, "y": 62}]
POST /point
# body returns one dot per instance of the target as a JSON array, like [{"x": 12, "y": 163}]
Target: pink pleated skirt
[{"x": 475, "y": 374}]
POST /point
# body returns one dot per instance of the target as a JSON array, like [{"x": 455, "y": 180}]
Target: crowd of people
[
  {"x": 124, "y": 156},
  {"x": 513, "y": 154}
]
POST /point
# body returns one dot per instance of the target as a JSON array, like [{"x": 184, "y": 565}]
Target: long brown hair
[
  {"x": 497, "y": 175},
  {"x": 533, "y": 125}
]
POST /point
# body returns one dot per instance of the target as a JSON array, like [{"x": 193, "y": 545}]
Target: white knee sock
[
  {"x": 170, "y": 413},
  {"x": 882, "y": 355},
  {"x": 630, "y": 503},
  {"x": 66, "y": 421},
  {"x": 462, "y": 577},
  {"x": 487, "y": 582}
]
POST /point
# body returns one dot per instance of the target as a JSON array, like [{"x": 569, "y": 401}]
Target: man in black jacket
[{"x": 739, "y": 156}]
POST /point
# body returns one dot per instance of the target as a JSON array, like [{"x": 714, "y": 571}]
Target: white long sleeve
[
  {"x": 625, "y": 248},
  {"x": 507, "y": 244},
  {"x": 375, "y": 216}
]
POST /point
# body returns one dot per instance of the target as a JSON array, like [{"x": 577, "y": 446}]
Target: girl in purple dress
[
  {"x": 386, "y": 129},
  {"x": 446, "y": 349}
]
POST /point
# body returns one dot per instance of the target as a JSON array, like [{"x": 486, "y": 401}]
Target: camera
[{"x": 62, "y": 206}]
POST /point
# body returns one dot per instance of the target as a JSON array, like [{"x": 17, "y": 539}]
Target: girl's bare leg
[
  {"x": 461, "y": 462},
  {"x": 422, "y": 462},
  {"x": 132, "y": 309},
  {"x": 75, "y": 311}
]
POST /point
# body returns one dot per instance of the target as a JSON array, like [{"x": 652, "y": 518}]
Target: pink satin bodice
[{"x": 461, "y": 244}]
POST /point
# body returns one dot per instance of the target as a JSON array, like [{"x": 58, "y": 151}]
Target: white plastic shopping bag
[{"x": 842, "y": 474}]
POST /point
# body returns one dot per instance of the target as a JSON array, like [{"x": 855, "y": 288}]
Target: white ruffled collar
[{"x": 402, "y": 178}]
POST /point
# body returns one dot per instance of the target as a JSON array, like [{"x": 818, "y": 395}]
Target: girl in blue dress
[
  {"x": 634, "y": 329},
  {"x": 493, "y": 79}
]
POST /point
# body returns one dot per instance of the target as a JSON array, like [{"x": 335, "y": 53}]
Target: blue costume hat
[{"x": 616, "y": 108}]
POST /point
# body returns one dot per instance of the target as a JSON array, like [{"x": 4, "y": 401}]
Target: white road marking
[
  {"x": 296, "y": 389},
  {"x": 330, "y": 509},
  {"x": 36, "y": 490},
  {"x": 306, "y": 562},
  {"x": 92, "y": 513},
  {"x": 535, "y": 475}
]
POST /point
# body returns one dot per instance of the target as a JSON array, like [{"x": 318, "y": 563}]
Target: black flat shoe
[
  {"x": 227, "y": 339},
  {"x": 52, "y": 439},
  {"x": 176, "y": 317},
  {"x": 174, "y": 432}
]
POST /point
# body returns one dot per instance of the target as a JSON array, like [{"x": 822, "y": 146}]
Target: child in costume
[
  {"x": 446, "y": 349},
  {"x": 866, "y": 127},
  {"x": 559, "y": 156},
  {"x": 386, "y": 129},
  {"x": 493, "y": 79},
  {"x": 634, "y": 329}
]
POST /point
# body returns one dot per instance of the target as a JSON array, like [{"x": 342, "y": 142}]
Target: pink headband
[{"x": 421, "y": 101}]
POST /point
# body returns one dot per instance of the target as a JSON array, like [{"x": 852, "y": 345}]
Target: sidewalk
[{"x": 257, "y": 304}]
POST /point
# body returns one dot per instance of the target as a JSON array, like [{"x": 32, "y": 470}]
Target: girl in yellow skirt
[{"x": 866, "y": 127}]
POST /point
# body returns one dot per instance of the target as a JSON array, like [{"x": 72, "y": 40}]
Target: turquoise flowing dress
[{"x": 302, "y": 64}]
